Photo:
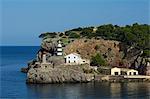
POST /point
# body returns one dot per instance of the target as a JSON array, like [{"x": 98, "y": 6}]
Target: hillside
[
  {"x": 121, "y": 46},
  {"x": 131, "y": 36},
  {"x": 87, "y": 48}
]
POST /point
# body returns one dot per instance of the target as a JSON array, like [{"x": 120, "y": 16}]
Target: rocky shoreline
[
  {"x": 40, "y": 73},
  {"x": 118, "y": 79},
  {"x": 46, "y": 74}
]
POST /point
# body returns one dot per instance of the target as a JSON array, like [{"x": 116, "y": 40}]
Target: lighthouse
[{"x": 59, "y": 49}]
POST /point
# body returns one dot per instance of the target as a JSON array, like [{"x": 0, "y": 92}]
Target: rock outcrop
[
  {"x": 137, "y": 61},
  {"x": 24, "y": 70},
  {"x": 47, "y": 74}
]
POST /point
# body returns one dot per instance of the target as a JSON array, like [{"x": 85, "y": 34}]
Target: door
[{"x": 116, "y": 73}]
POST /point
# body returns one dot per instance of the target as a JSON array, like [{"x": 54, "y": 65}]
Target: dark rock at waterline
[
  {"x": 31, "y": 64},
  {"x": 24, "y": 70}
]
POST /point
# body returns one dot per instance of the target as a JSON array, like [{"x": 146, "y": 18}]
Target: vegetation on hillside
[
  {"x": 135, "y": 35},
  {"x": 98, "y": 60},
  {"x": 48, "y": 35}
]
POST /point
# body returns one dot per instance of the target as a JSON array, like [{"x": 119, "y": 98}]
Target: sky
[{"x": 22, "y": 21}]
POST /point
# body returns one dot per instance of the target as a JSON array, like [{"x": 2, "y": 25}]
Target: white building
[
  {"x": 95, "y": 29},
  {"x": 115, "y": 71},
  {"x": 123, "y": 71},
  {"x": 75, "y": 59},
  {"x": 132, "y": 72},
  {"x": 59, "y": 49}
]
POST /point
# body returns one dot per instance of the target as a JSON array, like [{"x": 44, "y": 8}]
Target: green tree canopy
[
  {"x": 48, "y": 35},
  {"x": 98, "y": 60},
  {"x": 74, "y": 35}
]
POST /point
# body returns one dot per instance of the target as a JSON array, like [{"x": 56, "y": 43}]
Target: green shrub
[
  {"x": 97, "y": 47},
  {"x": 48, "y": 35},
  {"x": 98, "y": 60},
  {"x": 103, "y": 71},
  {"x": 88, "y": 71},
  {"x": 146, "y": 53},
  {"x": 74, "y": 35},
  {"x": 61, "y": 34}
]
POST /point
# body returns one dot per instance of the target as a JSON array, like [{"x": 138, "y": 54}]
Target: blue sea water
[{"x": 13, "y": 86}]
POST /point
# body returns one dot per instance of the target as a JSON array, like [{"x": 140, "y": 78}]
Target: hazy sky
[{"x": 22, "y": 21}]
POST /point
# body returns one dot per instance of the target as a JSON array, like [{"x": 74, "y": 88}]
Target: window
[
  {"x": 129, "y": 73},
  {"x": 68, "y": 57},
  {"x": 122, "y": 72},
  {"x": 69, "y": 61},
  {"x": 116, "y": 73},
  {"x": 74, "y": 61},
  {"x": 74, "y": 57},
  {"x": 83, "y": 61},
  {"x": 134, "y": 73}
]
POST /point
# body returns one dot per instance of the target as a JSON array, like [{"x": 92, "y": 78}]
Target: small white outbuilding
[
  {"x": 115, "y": 71},
  {"x": 119, "y": 71},
  {"x": 75, "y": 59},
  {"x": 132, "y": 72}
]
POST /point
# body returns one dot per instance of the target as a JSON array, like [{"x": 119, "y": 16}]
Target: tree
[
  {"x": 98, "y": 60},
  {"x": 77, "y": 29},
  {"x": 61, "y": 34},
  {"x": 97, "y": 47},
  {"x": 74, "y": 35},
  {"x": 146, "y": 53},
  {"x": 48, "y": 35},
  {"x": 87, "y": 32}
]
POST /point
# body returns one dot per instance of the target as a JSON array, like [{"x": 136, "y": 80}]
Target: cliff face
[
  {"x": 109, "y": 49},
  {"x": 136, "y": 59}
]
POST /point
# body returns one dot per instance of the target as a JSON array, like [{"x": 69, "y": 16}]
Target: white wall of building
[
  {"x": 72, "y": 59},
  {"x": 84, "y": 61},
  {"x": 75, "y": 59},
  {"x": 59, "y": 49},
  {"x": 132, "y": 72},
  {"x": 115, "y": 71}
]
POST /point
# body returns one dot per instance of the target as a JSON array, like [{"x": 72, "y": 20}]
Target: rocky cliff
[
  {"x": 87, "y": 48},
  {"x": 46, "y": 73}
]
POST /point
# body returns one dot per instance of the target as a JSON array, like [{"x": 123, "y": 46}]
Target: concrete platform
[{"x": 137, "y": 76}]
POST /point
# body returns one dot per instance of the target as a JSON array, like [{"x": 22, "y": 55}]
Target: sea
[{"x": 13, "y": 82}]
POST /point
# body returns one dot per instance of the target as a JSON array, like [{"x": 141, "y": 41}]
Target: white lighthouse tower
[{"x": 59, "y": 49}]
